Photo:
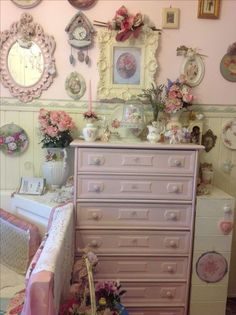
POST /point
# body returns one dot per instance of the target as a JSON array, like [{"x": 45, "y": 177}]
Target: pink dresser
[{"x": 135, "y": 209}]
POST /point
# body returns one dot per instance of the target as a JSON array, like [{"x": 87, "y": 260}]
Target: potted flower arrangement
[
  {"x": 56, "y": 128},
  {"x": 90, "y": 116},
  {"x": 178, "y": 97},
  {"x": 90, "y": 131}
]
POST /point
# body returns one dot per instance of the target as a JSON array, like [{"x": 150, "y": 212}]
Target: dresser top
[
  {"x": 135, "y": 145},
  {"x": 216, "y": 193}
]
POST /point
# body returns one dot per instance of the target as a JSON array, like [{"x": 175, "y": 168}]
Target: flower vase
[
  {"x": 153, "y": 135},
  {"x": 55, "y": 169},
  {"x": 174, "y": 122},
  {"x": 90, "y": 132}
]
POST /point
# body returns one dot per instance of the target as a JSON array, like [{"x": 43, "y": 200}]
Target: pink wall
[{"x": 211, "y": 36}]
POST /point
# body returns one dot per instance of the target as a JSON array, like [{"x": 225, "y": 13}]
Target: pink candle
[{"x": 90, "y": 97}]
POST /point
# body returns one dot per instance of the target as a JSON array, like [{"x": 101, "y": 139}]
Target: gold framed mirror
[{"x": 27, "y": 65}]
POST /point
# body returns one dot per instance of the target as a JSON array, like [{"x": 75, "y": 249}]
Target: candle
[{"x": 90, "y": 97}]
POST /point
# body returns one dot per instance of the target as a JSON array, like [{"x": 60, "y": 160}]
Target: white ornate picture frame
[
  {"x": 193, "y": 69},
  {"x": 119, "y": 80}
]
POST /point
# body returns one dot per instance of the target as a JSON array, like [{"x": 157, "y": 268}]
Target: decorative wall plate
[
  {"x": 13, "y": 139},
  {"x": 229, "y": 134},
  {"x": 26, "y": 4},
  {"x": 82, "y": 4},
  {"x": 75, "y": 85},
  {"x": 228, "y": 67},
  {"x": 211, "y": 267},
  {"x": 193, "y": 68}
]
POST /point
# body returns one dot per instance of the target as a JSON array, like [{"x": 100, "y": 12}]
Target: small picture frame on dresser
[{"x": 32, "y": 186}]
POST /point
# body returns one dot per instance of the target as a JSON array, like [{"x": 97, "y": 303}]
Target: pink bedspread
[
  {"x": 39, "y": 295},
  {"x": 50, "y": 272}
]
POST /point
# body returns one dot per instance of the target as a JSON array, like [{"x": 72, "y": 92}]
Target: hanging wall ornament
[
  {"x": 82, "y": 4},
  {"x": 193, "y": 67},
  {"x": 228, "y": 64},
  {"x": 211, "y": 267},
  {"x": 75, "y": 85},
  {"x": 81, "y": 32},
  {"x": 13, "y": 140}
]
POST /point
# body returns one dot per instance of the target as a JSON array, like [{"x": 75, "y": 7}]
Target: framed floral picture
[
  {"x": 170, "y": 17},
  {"x": 127, "y": 67},
  {"x": 208, "y": 9}
]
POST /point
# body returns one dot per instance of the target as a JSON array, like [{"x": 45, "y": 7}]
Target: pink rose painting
[{"x": 126, "y": 65}]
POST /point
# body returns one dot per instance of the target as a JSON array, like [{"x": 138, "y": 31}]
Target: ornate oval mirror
[{"x": 27, "y": 65}]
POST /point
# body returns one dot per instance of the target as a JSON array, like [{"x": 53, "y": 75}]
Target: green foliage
[{"x": 156, "y": 97}]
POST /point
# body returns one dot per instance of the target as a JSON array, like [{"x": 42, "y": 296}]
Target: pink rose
[
  {"x": 55, "y": 117},
  {"x": 43, "y": 112},
  {"x": 187, "y": 98},
  {"x": 1, "y": 140},
  {"x": 121, "y": 11},
  {"x": 52, "y": 131},
  {"x": 127, "y": 23}
]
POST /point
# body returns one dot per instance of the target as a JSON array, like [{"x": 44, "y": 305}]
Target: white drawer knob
[
  {"x": 169, "y": 294},
  {"x": 94, "y": 243},
  {"x": 173, "y": 244},
  {"x": 170, "y": 269},
  {"x": 227, "y": 209},
  {"x": 97, "y": 161},
  {"x": 177, "y": 162},
  {"x": 173, "y": 216},
  {"x": 96, "y": 188},
  {"x": 95, "y": 216},
  {"x": 175, "y": 189}
]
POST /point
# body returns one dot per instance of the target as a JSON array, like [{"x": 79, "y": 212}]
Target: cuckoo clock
[{"x": 81, "y": 33}]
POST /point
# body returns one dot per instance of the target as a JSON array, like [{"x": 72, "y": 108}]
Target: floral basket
[{"x": 88, "y": 299}]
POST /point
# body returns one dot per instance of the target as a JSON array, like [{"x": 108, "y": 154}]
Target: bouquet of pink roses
[
  {"x": 178, "y": 95},
  {"x": 56, "y": 128}
]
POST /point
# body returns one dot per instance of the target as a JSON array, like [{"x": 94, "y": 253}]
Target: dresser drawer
[
  {"x": 154, "y": 294},
  {"x": 97, "y": 215},
  {"x": 135, "y": 187},
  {"x": 155, "y": 310},
  {"x": 130, "y": 268},
  {"x": 136, "y": 161},
  {"x": 133, "y": 242}
]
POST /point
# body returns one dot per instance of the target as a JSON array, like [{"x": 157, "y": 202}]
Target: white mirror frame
[
  {"x": 147, "y": 43},
  {"x": 27, "y": 31}
]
